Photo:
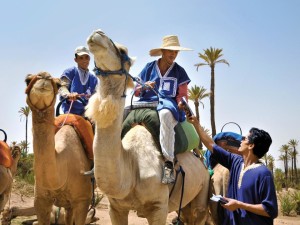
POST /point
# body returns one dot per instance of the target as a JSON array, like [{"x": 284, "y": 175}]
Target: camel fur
[
  {"x": 59, "y": 158},
  {"x": 129, "y": 171},
  {"x": 7, "y": 175}
]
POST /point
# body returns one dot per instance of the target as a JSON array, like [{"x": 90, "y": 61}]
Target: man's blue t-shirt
[
  {"x": 165, "y": 86},
  {"x": 76, "y": 85}
]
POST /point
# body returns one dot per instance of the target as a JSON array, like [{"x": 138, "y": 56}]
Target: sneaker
[{"x": 168, "y": 173}]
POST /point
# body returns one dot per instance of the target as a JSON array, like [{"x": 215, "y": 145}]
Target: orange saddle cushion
[
  {"x": 82, "y": 127},
  {"x": 5, "y": 155}
]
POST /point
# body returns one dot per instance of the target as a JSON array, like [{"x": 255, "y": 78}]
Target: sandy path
[{"x": 102, "y": 213}]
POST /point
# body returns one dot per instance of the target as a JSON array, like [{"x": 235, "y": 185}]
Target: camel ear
[
  {"x": 57, "y": 82},
  {"x": 28, "y": 78},
  {"x": 132, "y": 60}
]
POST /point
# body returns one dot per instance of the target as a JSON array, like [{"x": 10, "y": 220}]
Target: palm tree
[
  {"x": 25, "y": 112},
  {"x": 290, "y": 155},
  {"x": 211, "y": 57},
  {"x": 196, "y": 94},
  {"x": 284, "y": 157},
  {"x": 24, "y": 147},
  {"x": 271, "y": 161},
  {"x": 293, "y": 143}
]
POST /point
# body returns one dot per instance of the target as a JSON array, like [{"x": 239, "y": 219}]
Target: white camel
[
  {"x": 129, "y": 171},
  {"x": 7, "y": 173}
]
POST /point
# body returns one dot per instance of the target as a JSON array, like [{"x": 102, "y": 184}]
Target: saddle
[
  {"x": 82, "y": 127},
  {"x": 5, "y": 155},
  {"x": 186, "y": 137}
]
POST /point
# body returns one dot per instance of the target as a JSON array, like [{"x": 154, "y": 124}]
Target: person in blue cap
[
  {"x": 78, "y": 81},
  {"x": 251, "y": 190}
]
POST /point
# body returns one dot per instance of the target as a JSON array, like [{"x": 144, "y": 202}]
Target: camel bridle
[
  {"x": 29, "y": 87},
  {"x": 124, "y": 58}
]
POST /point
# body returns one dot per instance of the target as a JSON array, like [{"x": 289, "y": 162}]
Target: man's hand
[
  {"x": 150, "y": 84},
  {"x": 73, "y": 96},
  {"x": 193, "y": 120}
]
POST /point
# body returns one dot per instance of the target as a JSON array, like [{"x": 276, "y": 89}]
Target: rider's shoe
[{"x": 168, "y": 173}]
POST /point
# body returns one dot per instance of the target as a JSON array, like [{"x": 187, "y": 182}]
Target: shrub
[
  {"x": 287, "y": 202},
  {"x": 25, "y": 168},
  {"x": 296, "y": 197}
]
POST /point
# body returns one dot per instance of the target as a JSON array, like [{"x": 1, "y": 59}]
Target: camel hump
[
  {"x": 186, "y": 137},
  {"x": 5, "y": 155},
  {"x": 82, "y": 127}
]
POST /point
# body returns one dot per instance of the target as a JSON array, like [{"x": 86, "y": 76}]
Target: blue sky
[{"x": 260, "y": 40}]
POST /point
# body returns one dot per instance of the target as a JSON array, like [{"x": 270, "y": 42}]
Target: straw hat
[{"x": 169, "y": 42}]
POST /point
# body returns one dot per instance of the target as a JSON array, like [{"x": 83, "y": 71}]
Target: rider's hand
[
  {"x": 150, "y": 84},
  {"x": 73, "y": 96},
  {"x": 181, "y": 105},
  {"x": 192, "y": 119}
]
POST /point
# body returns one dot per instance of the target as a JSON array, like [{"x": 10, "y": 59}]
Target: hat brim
[
  {"x": 157, "y": 51},
  {"x": 82, "y": 53}
]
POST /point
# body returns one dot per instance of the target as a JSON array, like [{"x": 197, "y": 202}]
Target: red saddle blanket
[
  {"x": 5, "y": 155},
  {"x": 82, "y": 127}
]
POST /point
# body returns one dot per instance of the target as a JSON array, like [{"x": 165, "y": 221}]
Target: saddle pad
[
  {"x": 82, "y": 127},
  {"x": 186, "y": 137},
  {"x": 5, "y": 155}
]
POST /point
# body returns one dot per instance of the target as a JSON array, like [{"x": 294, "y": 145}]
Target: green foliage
[
  {"x": 288, "y": 203},
  {"x": 279, "y": 179},
  {"x": 296, "y": 197},
  {"x": 25, "y": 168}
]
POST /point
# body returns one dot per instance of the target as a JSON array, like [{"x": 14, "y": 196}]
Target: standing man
[
  {"x": 166, "y": 83},
  {"x": 78, "y": 82},
  {"x": 251, "y": 190}
]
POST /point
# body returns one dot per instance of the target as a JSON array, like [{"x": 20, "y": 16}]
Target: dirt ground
[{"x": 17, "y": 199}]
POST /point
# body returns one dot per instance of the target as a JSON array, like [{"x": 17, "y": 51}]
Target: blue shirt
[
  {"x": 166, "y": 86},
  {"x": 253, "y": 185},
  {"x": 80, "y": 85}
]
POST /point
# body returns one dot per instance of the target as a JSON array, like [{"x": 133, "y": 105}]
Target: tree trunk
[
  {"x": 196, "y": 103},
  {"x": 295, "y": 165},
  {"x": 212, "y": 102},
  {"x": 26, "y": 137}
]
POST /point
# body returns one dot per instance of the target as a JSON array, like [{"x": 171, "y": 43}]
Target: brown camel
[
  {"x": 59, "y": 158},
  {"x": 129, "y": 171},
  {"x": 7, "y": 174}
]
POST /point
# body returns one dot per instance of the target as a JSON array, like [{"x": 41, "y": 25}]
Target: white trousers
[{"x": 167, "y": 133}]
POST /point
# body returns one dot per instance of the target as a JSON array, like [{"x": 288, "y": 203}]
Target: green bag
[{"x": 186, "y": 137}]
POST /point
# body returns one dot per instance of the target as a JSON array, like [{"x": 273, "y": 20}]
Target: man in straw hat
[{"x": 165, "y": 83}]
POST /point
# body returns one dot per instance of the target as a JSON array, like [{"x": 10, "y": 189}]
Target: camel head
[
  {"x": 41, "y": 90},
  {"x": 15, "y": 151},
  {"x": 111, "y": 58},
  {"x": 112, "y": 65}
]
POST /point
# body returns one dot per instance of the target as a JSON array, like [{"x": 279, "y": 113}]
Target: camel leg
[
  {"x": 69, "y": 220},
  {"x": 158, "y": 216},
  {"x": 80, "y": 211},
  {"x": 196, "y": 211},
  {"x": 118, "y": 217},
  {"x": 43, "y": 210}
]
